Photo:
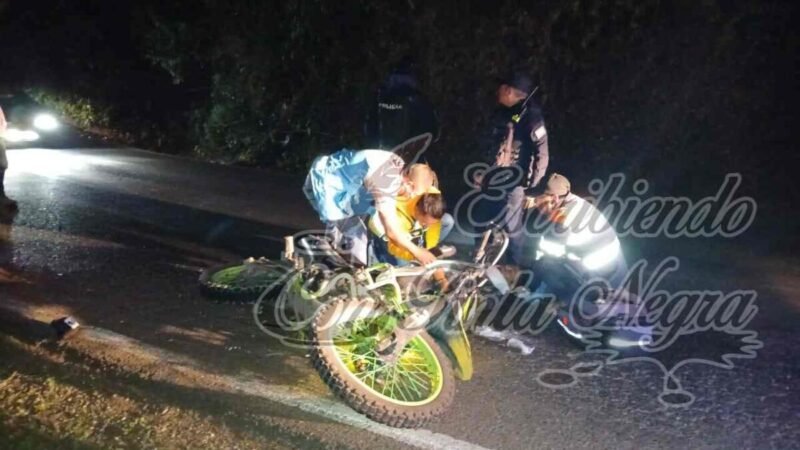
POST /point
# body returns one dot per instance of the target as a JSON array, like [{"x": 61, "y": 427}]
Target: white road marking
[{"x": 286, "y": 395}]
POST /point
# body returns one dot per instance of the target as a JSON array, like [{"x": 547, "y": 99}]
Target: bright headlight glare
[
  {"x": 12, "y": 135},
  {"x": 45, "y": 122},
  {"x": 29, "y": 135},
  {"x": 16, "y": 135}
]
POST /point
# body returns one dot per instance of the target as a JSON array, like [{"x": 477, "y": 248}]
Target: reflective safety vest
[{"x": 580, "y": 233}]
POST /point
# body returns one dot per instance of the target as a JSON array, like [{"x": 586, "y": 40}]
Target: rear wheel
[
  {"x": 244, "y": 282},
  {"x": 417, "y": 387}
]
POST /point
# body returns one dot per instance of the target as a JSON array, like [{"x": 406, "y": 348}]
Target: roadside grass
[{"x": 49, "y": 400}]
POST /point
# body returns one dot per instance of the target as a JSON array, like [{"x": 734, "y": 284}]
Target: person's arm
[
  {"x": 388, "y": 217},
  {"x": 534, "y": 201},
  {"x": 541, "y": 154}
]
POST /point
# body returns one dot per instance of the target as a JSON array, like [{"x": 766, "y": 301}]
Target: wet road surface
[{"x": 117, "y": 238}]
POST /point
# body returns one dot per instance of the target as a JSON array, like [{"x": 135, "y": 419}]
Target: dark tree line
[{"x": 680, "y": 92}]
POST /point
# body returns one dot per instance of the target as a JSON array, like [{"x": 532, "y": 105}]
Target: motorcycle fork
[{"x": 390, "y": 347}]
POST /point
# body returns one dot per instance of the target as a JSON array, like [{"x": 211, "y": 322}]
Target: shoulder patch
[
  {"x": 390, "y": 106},
  {"x": 540, "y": 132}
]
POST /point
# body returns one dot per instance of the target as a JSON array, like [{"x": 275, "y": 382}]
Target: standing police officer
[
  {"x": 400, "y": 112},
  {"x": 516, "y": 144}
]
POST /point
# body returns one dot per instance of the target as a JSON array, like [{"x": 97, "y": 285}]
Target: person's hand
[
  {"x": 441, "y": 278},
  {"x": 530, "y": 202},
  {"x": 546, "y": 203},
  {"x": 424, "y": 256}
]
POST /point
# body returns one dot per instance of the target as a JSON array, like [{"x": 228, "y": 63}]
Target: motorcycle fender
[{"x": 456, "y": 345}]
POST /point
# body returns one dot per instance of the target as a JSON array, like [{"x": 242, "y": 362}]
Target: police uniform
[
  {"x": 400, "y": 112},
  {"x": 529, "y": 151},
  {"x": 516, "y": 148}
]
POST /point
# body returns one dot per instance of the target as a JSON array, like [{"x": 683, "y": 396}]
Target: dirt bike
[{"x": 386, "y": 340}]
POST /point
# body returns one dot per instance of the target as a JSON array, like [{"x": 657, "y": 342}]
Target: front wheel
[{"x": 417, "y": 387}]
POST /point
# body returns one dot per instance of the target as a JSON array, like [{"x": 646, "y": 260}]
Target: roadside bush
[{"x": 677, "y": 92}]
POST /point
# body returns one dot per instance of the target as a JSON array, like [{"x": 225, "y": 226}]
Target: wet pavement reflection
[{"x": 117, "y": 238}]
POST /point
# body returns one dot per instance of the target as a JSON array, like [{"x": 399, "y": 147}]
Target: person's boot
[{"x": 5, "y": 202}]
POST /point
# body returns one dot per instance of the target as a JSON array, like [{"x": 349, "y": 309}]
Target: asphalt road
[{"x": 118, "y": 237}]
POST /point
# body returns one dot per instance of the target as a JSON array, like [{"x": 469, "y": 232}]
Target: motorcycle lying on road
[{"x": 388, "y": 341}]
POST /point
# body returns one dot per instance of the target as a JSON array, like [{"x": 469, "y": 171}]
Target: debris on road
[
  {"x": 511, "y": 339},
  {"x": 518, "y": 344},
  {"x": 64, "y": 326}
]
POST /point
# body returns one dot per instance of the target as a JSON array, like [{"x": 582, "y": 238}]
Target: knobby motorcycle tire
[
  {"x": 343, "y": 384},
  {"x": 231, "y": 294}
]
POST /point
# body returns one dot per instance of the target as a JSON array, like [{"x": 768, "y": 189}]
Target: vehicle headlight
[{"x": 45, "y": 122}]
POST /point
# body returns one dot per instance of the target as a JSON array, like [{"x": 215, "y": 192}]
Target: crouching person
[
  {"x": 349, "y": 185},
  {"x": 578, "y": 246},
  {"x": 421, "y": 217}
]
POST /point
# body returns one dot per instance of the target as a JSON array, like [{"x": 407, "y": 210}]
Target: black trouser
[
  {"x": 2, "y": 181},
  {"x": 508, "y": 213}
]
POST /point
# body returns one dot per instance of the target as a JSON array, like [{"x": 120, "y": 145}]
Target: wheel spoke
[
  {"x": 415, "y": 386},
  {"x": 413, "y": 378}
]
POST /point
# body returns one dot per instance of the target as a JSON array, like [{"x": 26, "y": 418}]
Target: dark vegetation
[{"x": 679, "y": 92}]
